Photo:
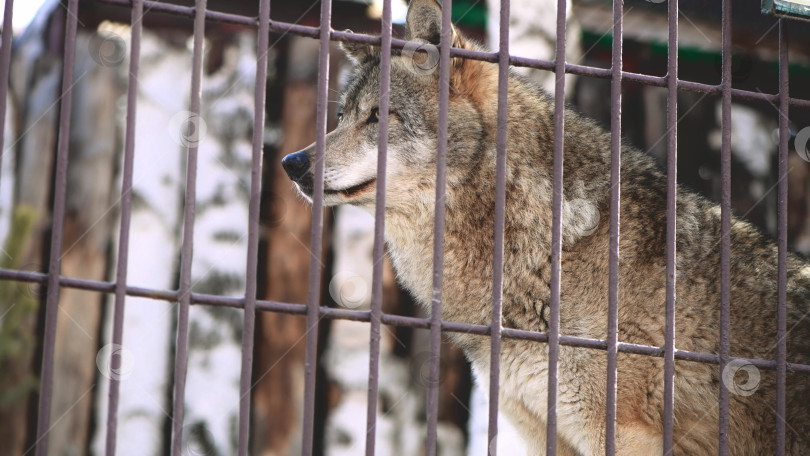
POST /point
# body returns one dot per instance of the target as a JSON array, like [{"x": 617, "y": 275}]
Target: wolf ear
[
  {"x": 424, "y": 22},
  {"x": 356, "y": 52}
]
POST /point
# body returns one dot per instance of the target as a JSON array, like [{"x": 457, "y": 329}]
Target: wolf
[{"x": 350, "y": 164}]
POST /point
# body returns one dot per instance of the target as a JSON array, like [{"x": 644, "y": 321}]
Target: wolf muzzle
[{"x": 297, "y": 167}]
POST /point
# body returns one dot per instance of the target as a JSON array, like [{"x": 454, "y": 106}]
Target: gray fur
[{"x": 350, "y": 158}]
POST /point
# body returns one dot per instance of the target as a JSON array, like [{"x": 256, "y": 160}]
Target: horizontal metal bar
[
  {"x": 187, "y": 11},
  {"x": 387, "y": 319}
]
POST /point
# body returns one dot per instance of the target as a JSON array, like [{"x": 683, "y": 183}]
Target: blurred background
[{"x": 224, "y": 130}]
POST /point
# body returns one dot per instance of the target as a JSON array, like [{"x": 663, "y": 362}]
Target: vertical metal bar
[
  {"x": 124, "y": 229},
  {"x": 438, "y": 229},
  {"x": 316, "y": 233},
  {"x": 781, "y": 309},
  {"x": 500, "y": 203},
  {"x": 379, "y": 231},
  {"x": 615, "y": 214},
  {"x": 556, "y": 231},
  {"x": 55, "y": 265},
  {"x": 672, "y": 204},
  {"x": 249, "y": 321},
  {"x": 181, "y": 357},
  {"x": 5, "y": 62},
  {"x": 725, "y": 223}
]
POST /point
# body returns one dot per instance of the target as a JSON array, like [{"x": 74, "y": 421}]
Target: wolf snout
[{"x": 296, "y": 165}]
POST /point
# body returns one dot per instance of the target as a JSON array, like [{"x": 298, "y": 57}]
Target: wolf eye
[
  {"x": 374, "y": 117},
  {"x": 339, "y": 116}
]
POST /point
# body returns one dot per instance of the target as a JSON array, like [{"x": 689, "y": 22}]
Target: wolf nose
[{"x": 296, "y": 165}]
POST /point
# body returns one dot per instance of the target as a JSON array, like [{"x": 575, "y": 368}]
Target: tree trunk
[{"x": 148, "y": 331}]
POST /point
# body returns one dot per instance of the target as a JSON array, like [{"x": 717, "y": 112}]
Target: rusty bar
[
  {"x": 379, "y": 232},
  {"x": 249, "y": 317},
  {"x": 5, "y": 62},
  {"x": 781, "y": 209},
  {"x": 316, "y": 233},
  {"x": 55, "y": 264},
  {"x": 725, "y": 225},
  {"x": 181, "y": 356},
  {"x": 438, "y": 230},
  {"x": 556, "y": 231},
  {"x": 123, "y": 233},
  {"x": 672, "y": 204},
  {"x": 500, "y": 203},
  {"x": 615, "y": 220}
]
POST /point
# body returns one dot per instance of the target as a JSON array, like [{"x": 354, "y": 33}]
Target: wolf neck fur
[{"x": 470, "y": 203}]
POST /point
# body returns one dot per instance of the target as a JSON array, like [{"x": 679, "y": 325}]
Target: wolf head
[{"x": 351, "y": 150}]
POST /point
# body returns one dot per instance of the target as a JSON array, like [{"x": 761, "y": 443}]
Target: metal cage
[{"x": 324, "y": 33}]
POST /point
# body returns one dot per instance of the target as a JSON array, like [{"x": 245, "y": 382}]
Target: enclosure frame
[{"x": 375, "y": 316}]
